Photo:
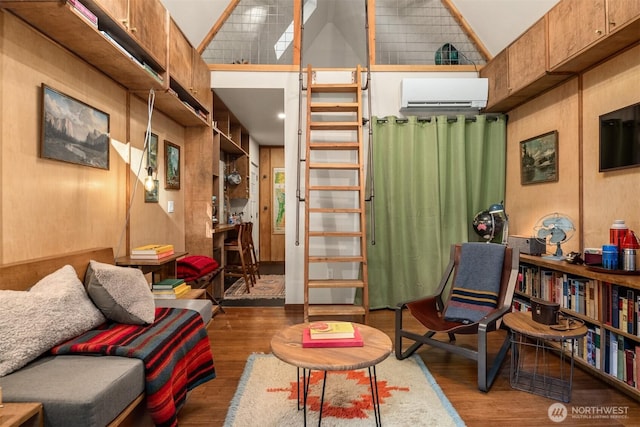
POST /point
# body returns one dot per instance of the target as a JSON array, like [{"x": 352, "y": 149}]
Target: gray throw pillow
[
  {"x": 121, "y": 293},
  {"x": 56, "y": 309}
]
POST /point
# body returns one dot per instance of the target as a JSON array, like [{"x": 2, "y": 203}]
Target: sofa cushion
[
  {"x": 203, "y": 306},
  {"x": 56, "y": 309},
  {"x": 121, "y": 293},
  {"x": 77, "y": 391}
]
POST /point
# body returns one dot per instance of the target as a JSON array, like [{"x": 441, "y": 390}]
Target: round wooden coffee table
[{"x": 286, "y": 345}]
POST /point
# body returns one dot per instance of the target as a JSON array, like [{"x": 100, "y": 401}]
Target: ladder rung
[
  {"x": 338, "y": 166},
  {"x": 334, "y": 188},
  {"x": 335, "y": 233},
  {"x": 336, "y": 310},
  {"x": 334, "y": 125},
  {"x": 333, "y": 87},
  {"x": 334, "y": 107},
  {"x": 334, "y": 210},
  {"x": 336, "y": 283},
  {"x": 334, "y": 146},
  {"x": 328, "y": 259}
]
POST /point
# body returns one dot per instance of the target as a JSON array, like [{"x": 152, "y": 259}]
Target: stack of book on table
[
  {"x": 331, "y": 334},
  {"x": 170, "y": 289},
  {"x": 152, "y": 252}
]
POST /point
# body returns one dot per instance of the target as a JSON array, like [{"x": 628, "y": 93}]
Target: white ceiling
[{"x": 495, "y": 22}]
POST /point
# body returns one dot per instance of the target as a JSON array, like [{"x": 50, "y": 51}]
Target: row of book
[
  {"x": 152, "y": 252},
  {"x": 170, "y": 289},
  {"x": 331, "y": 334},
  {"x": 621, "y": 358},
  {"x": 579, "y": 294},
  {"x": 83, "y": 12},
  {"x": 621, "y": 308}
]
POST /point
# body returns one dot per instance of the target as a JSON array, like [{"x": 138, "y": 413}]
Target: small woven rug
[
  {"x": 409, "y": 396},
  {"x": 267, "y": 287}
]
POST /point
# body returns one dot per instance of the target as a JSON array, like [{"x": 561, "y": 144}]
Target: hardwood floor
[{"x": 245, "y": 330}]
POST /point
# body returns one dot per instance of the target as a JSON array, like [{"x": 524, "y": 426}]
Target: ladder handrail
[
  {"x": 300, "y": 89},
  {"x": 369, "y": 169}
]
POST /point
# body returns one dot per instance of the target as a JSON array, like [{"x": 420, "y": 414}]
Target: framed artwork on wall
[
  {"x": 172, "y": 161},
  {"x": 72, "y": 131},
  {"x": 278, "y": 201},
  {"x": 539, "y": 159},
  {"x": 152, "y": 196},
  {"x": 153, "y": 151}
]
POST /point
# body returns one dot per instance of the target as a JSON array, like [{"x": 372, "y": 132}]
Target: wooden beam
[
  {"x": 371, "y": 9},
  {"x": 216, "y": 27},
  {"x": 297, "y": 31},
  {"x": 467, "y": 29}
]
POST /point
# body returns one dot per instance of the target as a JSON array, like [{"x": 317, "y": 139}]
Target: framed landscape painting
[
  {"x": 539, "y": 159},
  {"x": 73, "y": 131},
  {"x": 172, "y": 160}
]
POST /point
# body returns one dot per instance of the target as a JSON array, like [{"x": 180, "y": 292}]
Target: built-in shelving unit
[
  {"x": 607, "y": 303},
  {"x": 570, "y": 38},
  {"x": 134, "y": 51}
]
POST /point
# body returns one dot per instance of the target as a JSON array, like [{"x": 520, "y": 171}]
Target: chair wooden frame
[
  {"x": 240, "y": 245},
  {"x": 435, "y": 322}
]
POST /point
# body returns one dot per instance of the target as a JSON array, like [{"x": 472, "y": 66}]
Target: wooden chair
[
  {"x": 239, "y": 249},
  {"x": 433, "y": 311},
  {"x": 255, "y": 264}
]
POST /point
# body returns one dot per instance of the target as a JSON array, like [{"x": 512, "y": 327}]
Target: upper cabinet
[
  {"x": 573, "y": 36},
  {"x": 128, "y": 40},
  {"x": 144, "y": 20},
  {"x": 188, "y": 70},
  {"x": 573, "y": 26}
]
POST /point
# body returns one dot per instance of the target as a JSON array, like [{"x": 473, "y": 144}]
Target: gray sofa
[{"x": 86, "y": 390}]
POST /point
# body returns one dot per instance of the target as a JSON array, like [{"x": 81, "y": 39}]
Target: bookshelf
[{"x": 608, "y": 303}]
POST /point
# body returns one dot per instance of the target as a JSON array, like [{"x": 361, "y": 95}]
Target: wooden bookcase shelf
[{"x": 608, "y": 304}]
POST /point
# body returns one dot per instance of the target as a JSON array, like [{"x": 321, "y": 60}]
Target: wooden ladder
[{"x": 335, "y": 232}]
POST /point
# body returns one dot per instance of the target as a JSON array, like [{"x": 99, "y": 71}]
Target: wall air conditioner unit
[{"x": 444, "y": 94}]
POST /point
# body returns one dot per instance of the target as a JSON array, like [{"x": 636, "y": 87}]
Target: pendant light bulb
[{"x": 149, "y": 183}]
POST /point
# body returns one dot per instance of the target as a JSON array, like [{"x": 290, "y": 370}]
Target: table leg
[{"x": 375, "y": 396}]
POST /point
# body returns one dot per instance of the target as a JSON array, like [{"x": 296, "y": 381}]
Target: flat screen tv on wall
[{"x": 620, "y": 139}]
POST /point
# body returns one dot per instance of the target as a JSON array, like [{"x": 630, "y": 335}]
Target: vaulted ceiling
[{"x": 496, "y": 23}]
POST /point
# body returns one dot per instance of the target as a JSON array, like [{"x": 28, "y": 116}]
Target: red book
[{"x": 307, "y": 342}]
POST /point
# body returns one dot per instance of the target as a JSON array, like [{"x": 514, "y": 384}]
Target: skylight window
[{"x": 286, "y": 38}]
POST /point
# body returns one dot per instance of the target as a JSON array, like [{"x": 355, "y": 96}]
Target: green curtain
[{"x": 430, "y": 179}]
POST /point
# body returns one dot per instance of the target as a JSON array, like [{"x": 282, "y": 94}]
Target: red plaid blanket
[{"x": 174, "y": 349}]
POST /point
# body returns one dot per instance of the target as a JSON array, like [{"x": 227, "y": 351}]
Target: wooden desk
[
  {"x": 286, "y": 345},
  {"x": 21, "y": 415},
  {"x": 536, "y": 376},
  {"x": 165, "y": 268}
]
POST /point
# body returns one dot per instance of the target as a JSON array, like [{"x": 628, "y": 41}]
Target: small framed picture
[
  {"x": 539, "y": 159},
  {"x": 152, "y": 196},
  {"x": 153, "y": 151},
  {"x": 172, "y": 160}
]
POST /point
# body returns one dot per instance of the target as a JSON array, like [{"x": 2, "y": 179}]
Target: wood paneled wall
[
  {"x": 49, "y": 207},
  {"x": 591, "y": 198}
]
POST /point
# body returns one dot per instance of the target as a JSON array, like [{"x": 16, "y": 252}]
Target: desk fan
[{"x": 554, "y": 229}]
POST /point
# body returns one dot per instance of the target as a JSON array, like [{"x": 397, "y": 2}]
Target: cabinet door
[
  {"x": 574, "y": 25},
  {"x": 180, "y": 56},
  {"x": 148, "y": 26},
  {"x": 528, "y": 57},
  {"x": 118, "y": 9},
  {"x": 496, "y": 71},
  {"x": 621, "y": 12},
  {"x": 201, "y": 81}
]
